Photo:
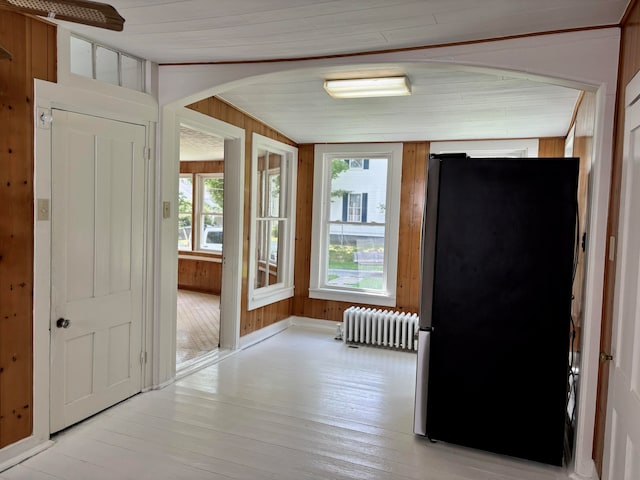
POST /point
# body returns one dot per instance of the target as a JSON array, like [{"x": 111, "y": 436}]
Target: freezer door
[
  {"x": 428, "y": 250},
  {"x": 422, "y": 381}
]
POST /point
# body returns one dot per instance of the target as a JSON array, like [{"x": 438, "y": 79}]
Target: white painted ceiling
[
  {"x": 232, "y": 30},
  {"x": 196, "y": 145},
  {"x": 445, "y": 104}
]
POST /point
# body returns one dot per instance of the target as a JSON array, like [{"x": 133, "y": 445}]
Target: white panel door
[
  {"x": 98, "y": 191},
  {"x": 622, "y": 438}
]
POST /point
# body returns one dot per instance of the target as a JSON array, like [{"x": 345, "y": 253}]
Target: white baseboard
[
  {"x": 577, "y": 476},
  {"x": 589, "y": 467},
  {"x": 314, "y": 323},
  {"x": 21, "y": 456},
  {"x": 264, "y": 333}
]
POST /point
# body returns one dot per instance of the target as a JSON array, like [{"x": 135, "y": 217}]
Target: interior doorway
[{"x": 200, "y": 246}]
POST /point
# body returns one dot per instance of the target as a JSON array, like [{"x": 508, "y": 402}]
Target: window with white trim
[
  {"x": 93, "y": 60},
  {"x": 200, "y": 204},
  {"x": 356, "y": 208},
  {"x": 271, "y": 245}
]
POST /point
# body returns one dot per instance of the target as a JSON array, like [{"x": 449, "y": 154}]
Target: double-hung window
[
  {"x": 185, "y": 212},
  {"x": 356, "y": 209},
  {"x": 200, "y": 212},
  {"x": 271, "y": 246}
]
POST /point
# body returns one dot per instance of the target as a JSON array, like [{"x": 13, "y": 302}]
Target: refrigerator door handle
[{"x": 422, "y": 382}]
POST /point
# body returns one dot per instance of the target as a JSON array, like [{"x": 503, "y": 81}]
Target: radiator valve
[{"x": 338, "y": 331}]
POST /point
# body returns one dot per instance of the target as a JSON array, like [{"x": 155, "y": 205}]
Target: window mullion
[{"x": 193, "y": 211}]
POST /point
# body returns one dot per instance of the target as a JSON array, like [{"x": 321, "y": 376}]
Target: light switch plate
[{"x": 166, "y": 209}]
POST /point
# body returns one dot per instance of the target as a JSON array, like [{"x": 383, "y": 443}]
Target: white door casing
[
  {"x": 98, "y": 201},
  {"x": 622, "y": 437}
]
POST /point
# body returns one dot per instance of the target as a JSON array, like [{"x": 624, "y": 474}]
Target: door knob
[
  {"x": 605, "y": 357},
  {"x": 63, "y": 323}
]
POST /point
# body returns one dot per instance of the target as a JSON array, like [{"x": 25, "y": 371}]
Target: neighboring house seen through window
[{"x": 355, "y": 224}]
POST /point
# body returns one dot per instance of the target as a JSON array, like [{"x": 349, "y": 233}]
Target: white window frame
[
  {"x": 119, "y": 69},
  {"x": 259, "y": 297},
  {"x": 324, "y": 154},
  {"x": 188, "y": 175},
  {"x": 350, "y": 216},
  {"x": 199, "y": 212},
  {"x": 353, "y": 166}
]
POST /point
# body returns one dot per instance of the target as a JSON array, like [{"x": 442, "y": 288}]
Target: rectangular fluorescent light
[{"x": 368, "y": 87}]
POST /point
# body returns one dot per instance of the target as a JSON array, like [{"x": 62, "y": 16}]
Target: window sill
[
  {"x": 351, "y": 296},
  {"x": 205, "y": 256}
]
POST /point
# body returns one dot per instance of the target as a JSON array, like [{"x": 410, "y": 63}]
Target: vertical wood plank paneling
[
  {"x": 32, "y": 45},
  {"x": 411, "y": 216},
  {"x": 216, "y": 108},
  {"x": 200, "y": 275},
  {"x": 304, "y": 210},
  {"x": 628, "y": 66},
  {"x": 206, "y": 166},
  {"x": 551, "y": 147}
]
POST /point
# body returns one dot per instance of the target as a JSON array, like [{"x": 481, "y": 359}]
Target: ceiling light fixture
[{"x": 368, "y": 87}]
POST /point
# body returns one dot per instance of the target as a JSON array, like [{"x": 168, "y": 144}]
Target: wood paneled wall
[
  {"x": 628, "y": 67},
  {"x": 216, "y": 108},
  {"x": 200, "y": 275},
  {"x": 204, "y": 166},
  {"x": 32, "y": 44},
  {"x": 550, "y": 147}
]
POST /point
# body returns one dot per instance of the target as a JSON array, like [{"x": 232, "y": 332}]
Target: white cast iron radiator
[{"x": 382, "y": 328}]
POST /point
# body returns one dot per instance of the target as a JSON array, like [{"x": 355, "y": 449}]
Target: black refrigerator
[{"x": 499, "y": 238}]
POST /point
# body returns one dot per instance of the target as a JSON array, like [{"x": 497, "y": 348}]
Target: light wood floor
[
  {"x": 297, "y": 406},
  {"x": 198, "y": 325}
]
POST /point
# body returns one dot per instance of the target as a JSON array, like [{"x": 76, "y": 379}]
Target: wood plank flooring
[
  {"x": 297, "y": 406},
  {"x": 198, "y": 326}
]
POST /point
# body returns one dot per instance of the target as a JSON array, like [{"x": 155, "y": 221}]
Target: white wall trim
[
  {"x": 201, "y": 258},
  {"x": 576, "y": 476},
  {"x": 323, "y": 155},
  {"x": 24, "y": 451},
  {"x": 167, "y": 234},
  {"x": 48, "y": 95},
  {"x": 269, "y": 331},
  {"x": 259, "y": 297},
  {"x": 495, "y": 148},
  {"x": 315, "y": 323},
  {"x": 258, "y": 336}
]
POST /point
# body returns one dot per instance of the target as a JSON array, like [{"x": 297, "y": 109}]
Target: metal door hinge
[
  {"x": 605, "y": 357},
  {"x": 612, "y": 248},
  {"x": 147, "y": 153},
  {"x": 43, "y": 118},
  {"x": 143, "y": 358}
]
